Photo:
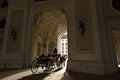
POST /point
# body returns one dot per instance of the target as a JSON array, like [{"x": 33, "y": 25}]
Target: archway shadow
[{"x": 40, "y": 76}]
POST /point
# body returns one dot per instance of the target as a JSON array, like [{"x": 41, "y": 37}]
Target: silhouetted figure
[
  {"x": 48, "y": 55},
  {"x": 55, "y": 51},
  {"x": 43, "y": 55},
  {"x": 62, "y": 61}
]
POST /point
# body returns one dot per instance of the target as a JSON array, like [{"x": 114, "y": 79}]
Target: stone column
[
  {"x": 15, "y": 34},
  {"x": 84, "y": 47},
  {"x": 106, "y": 23}
]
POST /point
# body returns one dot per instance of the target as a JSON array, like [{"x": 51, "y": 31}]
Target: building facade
[
  {"x": 33, "y": 27},
  {"x": 64, "y": 45}
]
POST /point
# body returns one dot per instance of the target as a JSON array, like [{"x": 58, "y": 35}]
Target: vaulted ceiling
[{"x": 51, "y": 24}]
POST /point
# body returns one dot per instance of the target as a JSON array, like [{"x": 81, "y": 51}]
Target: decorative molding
[{"x": 16, "y": 24}]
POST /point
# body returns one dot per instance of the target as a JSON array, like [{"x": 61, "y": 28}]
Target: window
[
  {"x": 116, "y": 4},
  {"x": 3, "y": 3},
  {"x": 66, "y": 51},
  {"x": 62, "y": 48},
  {"x": 66, "y": 47},
  {"x": 66, "y": 44}
]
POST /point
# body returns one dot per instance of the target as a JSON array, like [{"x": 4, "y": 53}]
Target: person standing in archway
[{"x": 55, "y": 51}]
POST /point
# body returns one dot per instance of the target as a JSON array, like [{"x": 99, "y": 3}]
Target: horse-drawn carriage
[{"x": 47, "y": 63}]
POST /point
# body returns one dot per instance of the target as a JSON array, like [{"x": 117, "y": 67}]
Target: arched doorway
[
  {"x": 116, "y": 39},
  {"x": 35, "y": 19},
  {"x": 48, "y": 27}
]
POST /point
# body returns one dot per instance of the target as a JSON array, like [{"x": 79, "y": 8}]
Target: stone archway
[
  {"x": 68, "y": 10},
  {"x": 48, "y": 25},
  {"x": 93, "y": 13}
]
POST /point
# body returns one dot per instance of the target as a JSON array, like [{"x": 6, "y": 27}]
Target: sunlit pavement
[
  {"x": 27, "y": 75},
  {"x": 119, "y": 65},
  {"x": 56, "y": 74},
  {"x": 16, "y": 76}
]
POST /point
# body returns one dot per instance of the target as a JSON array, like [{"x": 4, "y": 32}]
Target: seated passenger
[
  {"x": 43, "y": 55},
  {"x": 49, "y": 55}
]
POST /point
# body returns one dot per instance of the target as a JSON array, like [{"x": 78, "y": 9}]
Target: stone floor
[
  {"x": 26, "y": 74},
  {"x": 57, "y": 74}
]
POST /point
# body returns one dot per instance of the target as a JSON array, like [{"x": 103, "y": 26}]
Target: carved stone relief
[{"x": 16, "y": 24}]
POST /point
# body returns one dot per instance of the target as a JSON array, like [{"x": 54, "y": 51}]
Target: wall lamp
[
  {"x": 81, "y": 27},
  {"x": 13, "y": 35}
]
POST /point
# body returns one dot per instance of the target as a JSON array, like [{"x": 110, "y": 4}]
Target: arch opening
[
  {"x": 116, "y": 36},
  {"x": 47, "y": 33}
]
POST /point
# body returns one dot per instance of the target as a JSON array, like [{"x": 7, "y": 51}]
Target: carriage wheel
[{"x": 34, "y": 67}]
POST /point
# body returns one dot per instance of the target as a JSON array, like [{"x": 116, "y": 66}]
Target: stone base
[
  {"x": 92, "y": 67},
  {"x": 11, "y": 63}
]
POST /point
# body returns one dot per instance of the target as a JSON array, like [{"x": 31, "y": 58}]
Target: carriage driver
[{"x": 55, "y": 51}]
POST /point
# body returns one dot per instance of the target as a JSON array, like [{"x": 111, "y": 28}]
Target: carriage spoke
[{"x": 34, "y": 67}]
